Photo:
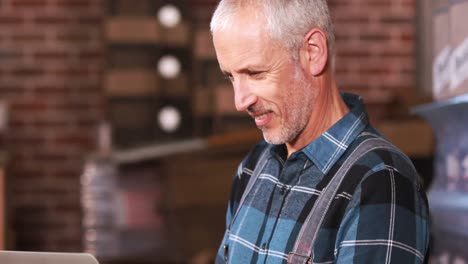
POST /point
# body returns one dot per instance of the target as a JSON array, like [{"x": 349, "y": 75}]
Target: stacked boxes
[
  {"x": 459, "y": 40},
  {"x": 123, "y": 209},
  {"x": 450, "y": 48}
]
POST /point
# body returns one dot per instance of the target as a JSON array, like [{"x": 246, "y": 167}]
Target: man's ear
[{"x": 314, "y": 54}]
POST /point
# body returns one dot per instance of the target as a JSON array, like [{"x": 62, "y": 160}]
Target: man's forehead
[{"x": 240, "y": 51}]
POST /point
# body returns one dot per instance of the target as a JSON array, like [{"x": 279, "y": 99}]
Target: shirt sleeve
[{"x": 386, "y": 221}]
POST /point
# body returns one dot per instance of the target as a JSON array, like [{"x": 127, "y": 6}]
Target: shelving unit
[
  {"x": 149, "y": 71},
  {"x": 149, "y": 92}
]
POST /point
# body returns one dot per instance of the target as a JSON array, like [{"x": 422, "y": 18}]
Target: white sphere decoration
[
  {"x": 169, "y": 16},
  {"x": 169, "y": 119},
  {"x": 169, "y": 66}
]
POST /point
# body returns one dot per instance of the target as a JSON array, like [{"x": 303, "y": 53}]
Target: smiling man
[{"x": 279, "y": 56}]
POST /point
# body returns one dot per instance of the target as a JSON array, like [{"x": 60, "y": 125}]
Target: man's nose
[{"x": 243, "y": 96}]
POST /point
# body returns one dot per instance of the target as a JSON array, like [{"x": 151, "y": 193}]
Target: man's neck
[{"x": 328, "y": 109}]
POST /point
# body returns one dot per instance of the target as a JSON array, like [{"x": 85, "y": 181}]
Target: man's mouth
[{"x": 262, "y": 119}]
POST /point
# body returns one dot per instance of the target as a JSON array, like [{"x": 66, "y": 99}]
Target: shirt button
[
  {"x": 225, "y": 252},
  {"x": 264, "y": 246},
  {"x": 283, "y": 190}
]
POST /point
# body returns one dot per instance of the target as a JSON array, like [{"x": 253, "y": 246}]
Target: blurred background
[{"x": 119, "y": 136}]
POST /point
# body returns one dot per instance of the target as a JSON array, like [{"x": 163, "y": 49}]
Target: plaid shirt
[{"x": 379, "y": 214}]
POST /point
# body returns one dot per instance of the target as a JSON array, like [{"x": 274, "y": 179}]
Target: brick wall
[
  {"x": 376, "y": 47},
  {"x": 50, "y": 73}
]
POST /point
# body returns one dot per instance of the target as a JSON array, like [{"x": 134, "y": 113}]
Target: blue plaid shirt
[{"x": 379, "y": 214}]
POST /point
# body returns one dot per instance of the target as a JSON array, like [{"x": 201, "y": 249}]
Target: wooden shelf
[
  {"x": 131, "y": 82},
  {"x": 176, "y": 87},
  {"x": 144, "y": 82},
  {"x": 224, "y": 101},
  {"x": 145, "y": 30},
  {"x": 203, "y": 48},
  {"x": 132, "y": 30},
  {"x": 202, "y": 103}
]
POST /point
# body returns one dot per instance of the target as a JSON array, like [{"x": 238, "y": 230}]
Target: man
[{"x": 279, "y": 56}]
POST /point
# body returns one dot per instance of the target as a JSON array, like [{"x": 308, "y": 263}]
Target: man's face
[{"x": 267, "y": 83}]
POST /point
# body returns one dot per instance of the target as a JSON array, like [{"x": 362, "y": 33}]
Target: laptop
[{"x": 24, "y": 257}]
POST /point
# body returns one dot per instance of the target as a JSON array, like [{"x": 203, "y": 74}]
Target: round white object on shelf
[
  {"x": 169, "y": 119},
  {"x": 169, "y": 16},
  {"x": 169, "y": 66}
]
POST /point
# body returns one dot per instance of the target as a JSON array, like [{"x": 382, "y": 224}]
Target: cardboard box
[
  {"x": 459, "y": 41},
  {"x": 441, "y": 47},
  {"x": 450, "y": 48}
]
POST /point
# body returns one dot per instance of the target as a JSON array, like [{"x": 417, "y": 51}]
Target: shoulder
[
  {"x": 382, "y": 170},
  {"x": 377, "y": 167},
  {"x": 384, "y": 177},
  {"x": 381, "y": 155}
]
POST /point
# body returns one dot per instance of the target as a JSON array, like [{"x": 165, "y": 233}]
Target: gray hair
[{"x": 287, "y": 21}]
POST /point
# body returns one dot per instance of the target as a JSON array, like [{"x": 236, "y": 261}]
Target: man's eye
[
  {"x": 256, "y": 74},
  {"x": 228, "y": 77}
]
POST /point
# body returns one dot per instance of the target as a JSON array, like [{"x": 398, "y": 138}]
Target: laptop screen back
[{"x": 20, "y": 257}]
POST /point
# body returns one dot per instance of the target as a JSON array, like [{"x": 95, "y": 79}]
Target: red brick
[
  {"x": 91, "y": 54},
  {"x": 24, "y": 38},
  {"x": 50, "y": 90},
  {"x": 10, "y": 20},
  {"x": 76, "y": 72},
  {"x": 27, "y": 71},
  {"x": 42, "y": 20},
  {"x": 26, "y": 141},
  {"x": 408, "y": 37},
  {"x": 73, "y": 3},
  {"x": 373, "y": 3},
  {"x": 90, "y": 20},
  {"x": 74, "y": 37},
  {"x": 28, "y": 3},
  {"x": 45, "y": 55},
  {"x": 29, "y": 106}
]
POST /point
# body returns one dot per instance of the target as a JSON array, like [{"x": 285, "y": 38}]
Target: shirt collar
[{"x": 328, "y": 148}]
